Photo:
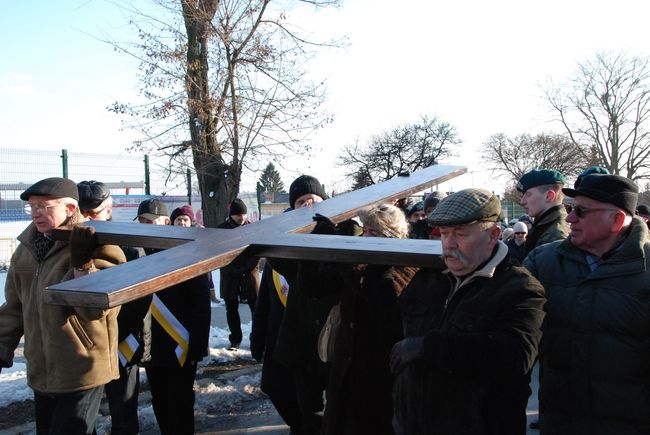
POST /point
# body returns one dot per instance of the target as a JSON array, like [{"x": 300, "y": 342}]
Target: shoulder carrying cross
[{"x": 194, "y": 251}]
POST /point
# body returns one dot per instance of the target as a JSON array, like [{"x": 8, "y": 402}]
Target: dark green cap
[
  {"x": 539, "y": 177},
  {"x": 466, "y": 206}
]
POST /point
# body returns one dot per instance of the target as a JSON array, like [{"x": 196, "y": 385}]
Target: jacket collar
[{"x": 488, "y": 269}]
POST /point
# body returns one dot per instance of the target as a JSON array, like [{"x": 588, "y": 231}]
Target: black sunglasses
[{"x": 581, "y": 211}]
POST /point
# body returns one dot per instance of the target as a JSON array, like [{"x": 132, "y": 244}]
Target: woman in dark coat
[{"x": 359, "y": 390}]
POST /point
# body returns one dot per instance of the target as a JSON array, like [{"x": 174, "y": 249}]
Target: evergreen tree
[{"x": 270, "y": 180}]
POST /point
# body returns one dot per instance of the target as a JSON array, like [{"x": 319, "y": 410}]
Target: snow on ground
[{"x": 13, "y": 380}]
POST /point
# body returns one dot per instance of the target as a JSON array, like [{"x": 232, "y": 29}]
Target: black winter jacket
[
  {"x": 595, "y": 353},
  {"x": 479, "y": 349},
  {"x": 242, "y": 276},
  {"x": 359, "y": 391}
]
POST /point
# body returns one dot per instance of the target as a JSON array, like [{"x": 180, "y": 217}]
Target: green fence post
[
  {"x": 64, "y": 163},
  {"x": 258, "y": 189},
  {"x": 147, "y": 186},
  {"x": 189, "y": 186}
]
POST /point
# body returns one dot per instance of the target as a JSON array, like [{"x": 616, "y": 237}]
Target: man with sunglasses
[
  {"x": 96, "y": 204},
  {"x": 594, "y": 354}
]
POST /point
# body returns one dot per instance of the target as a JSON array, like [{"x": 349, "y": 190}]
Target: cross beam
[{"x": 190, "y": 252}]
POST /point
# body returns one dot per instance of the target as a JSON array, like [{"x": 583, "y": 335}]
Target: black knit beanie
[
  {"x": 237, "y": 206},
  {"x": 303, "y": 185}
]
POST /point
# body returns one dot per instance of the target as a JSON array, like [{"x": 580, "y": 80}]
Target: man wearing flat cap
[
  {"x": 542, "y": 199},
  {"x": 594, "y": 355},
  {"x": 472, "y": 330},
  {"x": 71, "y": 352}
]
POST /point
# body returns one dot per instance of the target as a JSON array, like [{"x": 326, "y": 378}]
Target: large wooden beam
[{"x": 195, "y": 251}]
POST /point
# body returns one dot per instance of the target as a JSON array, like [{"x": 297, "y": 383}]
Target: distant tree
[
  {"x": 224, "y": 84},
  {"x": 270, "y": 180},
  {"x": 515, "y": 157},
  {"x": 402, "y": 149},
  {"x": 605, "y": 109},
  {"x": 361, "y": 179}
]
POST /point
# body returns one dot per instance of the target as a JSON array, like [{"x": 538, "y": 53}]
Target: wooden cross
[{"x": 194, "y": 251}]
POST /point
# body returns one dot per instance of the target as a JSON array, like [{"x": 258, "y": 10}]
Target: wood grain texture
[{"x": 190, "y": 252}]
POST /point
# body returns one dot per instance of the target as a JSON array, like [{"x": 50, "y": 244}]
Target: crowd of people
[{"x": 361, "y": 348}]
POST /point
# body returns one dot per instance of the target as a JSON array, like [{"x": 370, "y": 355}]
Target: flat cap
[
  {"x": 539, "y": 177},
  {"x": 55, "y": 187},
  {"x": 466, "y": 206},
  {"x": 611, "y": 189}
]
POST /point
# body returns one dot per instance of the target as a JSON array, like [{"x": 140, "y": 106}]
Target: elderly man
[
  {"x": 472, "y": 330},
  {"x": 595, "y": 356},
  {"x": 71, "y": 352},
  {"x": 542, "y": 199}
]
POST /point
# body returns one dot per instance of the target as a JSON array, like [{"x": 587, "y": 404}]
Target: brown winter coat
[{"x": 67, "y": 348}]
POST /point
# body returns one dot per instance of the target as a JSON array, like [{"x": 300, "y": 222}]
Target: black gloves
[
  {"x": 82, "y": 244},
  {"x": 323, "y": 225},
  {"x": 405, "y": 352}
]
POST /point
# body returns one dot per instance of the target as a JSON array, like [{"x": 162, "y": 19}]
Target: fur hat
[
  {"x": 466, "y": 206},
  {"x": 55, "y": 187},
  {"x": 185, "y": 210},
  {"x": 91, "y": 194},
  {"x": 303, "y": 185},
  {"x": 237, "y": 206},
  {"x": 539, "y": 177},
  {"x": 611, "y": 189}
]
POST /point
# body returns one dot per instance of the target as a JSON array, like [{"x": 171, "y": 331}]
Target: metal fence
[{"x": 126, "y": 174}]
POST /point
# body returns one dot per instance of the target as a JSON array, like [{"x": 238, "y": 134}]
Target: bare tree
[
  {"x": 225, "y": 82},
  {"x": 515, "y": 157},
  {"x": 604, "y": 107},
  {"x": 402, "y": 149}
]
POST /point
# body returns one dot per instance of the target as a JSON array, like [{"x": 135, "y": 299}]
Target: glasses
[
  {"x": 93, "y": 213},
  {"x": 581, "y": 211},
  {"x": 520, "y": 233},
  {"x": 38, "y": 208}
]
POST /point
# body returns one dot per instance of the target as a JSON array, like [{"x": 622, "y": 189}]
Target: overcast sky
[{"x": 476, "y": 64}]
